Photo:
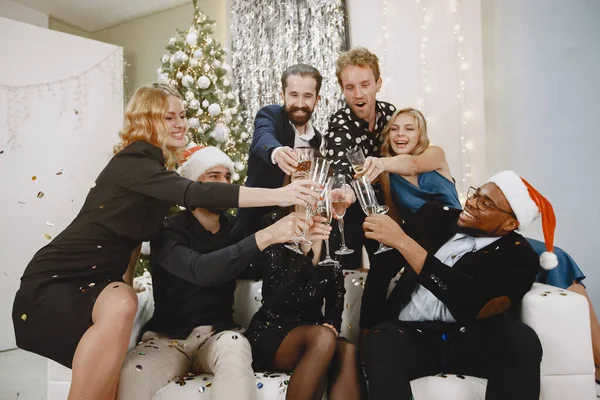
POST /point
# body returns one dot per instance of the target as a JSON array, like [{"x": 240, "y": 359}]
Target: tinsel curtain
[{"x": 270, "y": 35}]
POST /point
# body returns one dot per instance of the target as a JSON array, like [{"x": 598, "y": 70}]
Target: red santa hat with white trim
[{"x": 528, "y": 204}]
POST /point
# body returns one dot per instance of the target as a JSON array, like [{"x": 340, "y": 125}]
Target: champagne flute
[
  {"x": 319, "y": 169},
  {"x": 324, "y": 209},
  {"x": 357, "y": 159},
  {"x": 305, "y": 157},
  {"x": 366, "y": 196},
  {"x": 338, "y": 200}
]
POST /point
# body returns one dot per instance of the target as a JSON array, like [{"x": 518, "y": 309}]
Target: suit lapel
[{"x": 289, "y": 135}]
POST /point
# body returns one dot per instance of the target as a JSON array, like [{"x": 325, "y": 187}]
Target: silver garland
[{"x": 270, "y": 35}]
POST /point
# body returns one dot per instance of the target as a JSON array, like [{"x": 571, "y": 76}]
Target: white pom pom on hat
[
  {"x": 200, "y": 158},
  {"x": 527, "y": 204}
]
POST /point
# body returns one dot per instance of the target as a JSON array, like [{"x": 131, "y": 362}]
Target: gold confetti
[
  {"x": 101, "y": 206},
  {"x": 33, "y": 178},
  {"x": 49, "y": 223},
  {"x": 47, "y": 236},
  {"x": 24, "y": 317},
  {"x": 40, "y": 195},
  {"x": 59, "y": 173}
]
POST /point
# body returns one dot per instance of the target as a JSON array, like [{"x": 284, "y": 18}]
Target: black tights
[{"x": 313, "y": 353}]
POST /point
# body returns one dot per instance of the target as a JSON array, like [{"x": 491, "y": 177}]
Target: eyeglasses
[{"x": 483, "y": 203}]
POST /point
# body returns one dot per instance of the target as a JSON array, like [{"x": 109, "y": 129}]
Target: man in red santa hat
[{"x": 462, "y": 271}]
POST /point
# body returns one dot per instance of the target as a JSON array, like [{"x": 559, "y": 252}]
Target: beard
[
  {"x": 298, "y": 121},
  {"x": 470, "y": 231}
]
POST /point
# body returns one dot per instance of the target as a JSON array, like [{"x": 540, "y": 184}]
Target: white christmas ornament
[
  {"x": 194, "y": 123},
  {"x": 163, "y": 78},
  {"x": 187, "y": 81},
  {"x": 173, "y": 59},
  {"x": 181, "y": 57},
  {"x": 179, "y": 75},
  {"x": 199, "y": 112},
  {"x": 220, "y": 133},
  {"x": 203, "y": 82},
  {"x": 235, "y": 176},
  {"x": 230, "y": 96},
  {"x": 189, "y": 96},
  {"x": 226, "y": 67},
  {"x": 198, "y": 53},
  {"x": 209, "y": 40},
  {"x": 192, "y": 38},
  {"x": 234, "y": 110},
  {"x": 206, "y": 67},
  {"x": 205, "y": 103},
  {"x": 226, "y": 83},
  {"x": 185, "y": 103},
  {"x": 216, "y": 64},
  {"x": 214, "y": 109},
  {"x": 194, "y": 62},
  {"x": 244, "y": 135},
  {"x": 165, "y": 58},
  {"x": 172, "y": 40},
  {"x": 194, "y": 104}
]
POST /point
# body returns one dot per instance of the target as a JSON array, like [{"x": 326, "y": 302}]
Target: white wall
[
  {"x": 18, "y": 12},
  {"x": 57, "y": 124},
  {"x": 144, "y": 40},
  {"x": 430, "y": 77},
  {"x": 543, "y": 111}
]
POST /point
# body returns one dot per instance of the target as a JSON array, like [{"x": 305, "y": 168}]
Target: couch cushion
[{"x": 449, "y": 388}]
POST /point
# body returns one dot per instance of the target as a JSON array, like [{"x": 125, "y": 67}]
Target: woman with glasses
[{"x": 413, "y": 173}]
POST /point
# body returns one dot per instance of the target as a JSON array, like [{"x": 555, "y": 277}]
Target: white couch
[{"x": 560, "y": 318}]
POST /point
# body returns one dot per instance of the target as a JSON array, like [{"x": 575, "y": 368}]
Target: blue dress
[{"x": 435, "y": 188}]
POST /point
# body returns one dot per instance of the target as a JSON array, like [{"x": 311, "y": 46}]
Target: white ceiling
[{"x": 94, "y": 15}]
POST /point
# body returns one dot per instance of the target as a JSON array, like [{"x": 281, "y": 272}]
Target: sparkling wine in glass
[
  {"x": 319, "y": 170},
  {"x": 339, "y": 194},
  {"x": 324, "y": 208},
  {"x": 357, "y": 159},
  {"x": 369, "y": 204}
]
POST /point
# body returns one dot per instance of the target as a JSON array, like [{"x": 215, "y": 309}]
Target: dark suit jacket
[
  {"x": 272, "y": 129},
  {"x": 479, "y": 285}
]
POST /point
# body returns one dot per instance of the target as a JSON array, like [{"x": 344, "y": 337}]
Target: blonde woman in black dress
[{"x": 73, "y": 305}]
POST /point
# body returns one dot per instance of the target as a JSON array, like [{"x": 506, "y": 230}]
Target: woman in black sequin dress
[{"x": 291, "y": 333}]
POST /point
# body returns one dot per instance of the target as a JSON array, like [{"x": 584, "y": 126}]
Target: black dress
[
  {"x": 293, "y": 293},
  {"x": 53, "y": 306}
]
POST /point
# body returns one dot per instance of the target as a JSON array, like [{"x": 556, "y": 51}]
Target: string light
[
  {"x": 425, "y": 86},
  {"x": 467, "y": 146},
  {"x": 385, "y": 35}
]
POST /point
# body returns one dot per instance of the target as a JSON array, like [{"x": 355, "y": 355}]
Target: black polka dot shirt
[{"x": 347, "y": 131}]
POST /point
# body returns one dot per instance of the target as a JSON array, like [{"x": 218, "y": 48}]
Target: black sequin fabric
[{"x": 295, "y": 292}]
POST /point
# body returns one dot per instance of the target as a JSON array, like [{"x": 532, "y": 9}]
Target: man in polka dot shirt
[{"x": 357, "y": 125}]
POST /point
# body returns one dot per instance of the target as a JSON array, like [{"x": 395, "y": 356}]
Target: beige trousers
[{"x": 159, "y": 359}]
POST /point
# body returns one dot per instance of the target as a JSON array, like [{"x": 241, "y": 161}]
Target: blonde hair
[
  {"x": 357, "y": 56},
  {"x": 144, "y": 120},
  {"x": 420, "y": 124}
]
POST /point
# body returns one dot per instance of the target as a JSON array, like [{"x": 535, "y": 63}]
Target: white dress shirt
[
  {"x": 423, "y": 305},
  {"x": 299, "y": 140}
]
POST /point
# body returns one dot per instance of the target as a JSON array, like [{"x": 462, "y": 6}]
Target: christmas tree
[{"x": 195, "y": 64}]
